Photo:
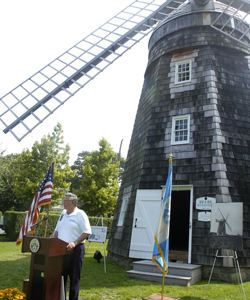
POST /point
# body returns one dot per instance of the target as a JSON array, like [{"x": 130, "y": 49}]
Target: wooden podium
[{"x": 45, "y": 267}]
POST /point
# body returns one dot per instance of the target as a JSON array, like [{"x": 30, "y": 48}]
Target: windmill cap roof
[
  {"x": 189, "y": 14},
  {"x": 191, "y": 7}
]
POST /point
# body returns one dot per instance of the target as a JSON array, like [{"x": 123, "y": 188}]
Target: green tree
[
  {"x": 31, "y": 166},
  {"x": 98, "y": 176},
  {"x": 8, "y": 199},
  {"x": 77, "y": 168}
]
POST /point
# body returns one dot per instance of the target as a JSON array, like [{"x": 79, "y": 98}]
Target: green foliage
[
  {"x": 31, "y": 165},
  {"x": 8, "y": 199},
  {"x": 94, "y": 177},
  {"x": 97, "y": 180},
  {"x": 12, "y": 221},
  {"x": 77, "y": 168}
]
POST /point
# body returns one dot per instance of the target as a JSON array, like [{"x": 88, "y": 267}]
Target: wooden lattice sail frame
[{"x": 32, "y": 101}]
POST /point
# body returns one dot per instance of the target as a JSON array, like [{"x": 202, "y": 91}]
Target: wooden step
[
  {"x": 173, "y": 268},
  {"x": 169, "y": 280},
  {"x": 178, "y": 273}
]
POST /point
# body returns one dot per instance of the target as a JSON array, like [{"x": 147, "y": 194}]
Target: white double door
[{"x": 145, "y": 222}]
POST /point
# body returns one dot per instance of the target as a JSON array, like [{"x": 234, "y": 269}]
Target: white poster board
[
  {"x": 227, "y": 219},
  {"x": 99, "y": 234}
]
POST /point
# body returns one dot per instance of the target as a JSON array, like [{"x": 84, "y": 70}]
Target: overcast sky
[{"x": 33, "y": 33}]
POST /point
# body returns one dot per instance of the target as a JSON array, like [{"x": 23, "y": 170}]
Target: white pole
[
  {"x": 104, "y": 252},
  {"x": 62, "y": 292}
]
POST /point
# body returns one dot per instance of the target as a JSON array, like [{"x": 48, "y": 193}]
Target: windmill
[
  {"x": 194, "y": 102},
  {"x": 223, "y": 225}
]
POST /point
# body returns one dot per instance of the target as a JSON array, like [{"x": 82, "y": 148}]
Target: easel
[
  {"x": 235, "y": 261},
  {"x": 99, "y": 234}
]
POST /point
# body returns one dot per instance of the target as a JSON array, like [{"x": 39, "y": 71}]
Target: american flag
[
  {"x": 161, "y": 245},
  {"x": 42, "y": 197}
]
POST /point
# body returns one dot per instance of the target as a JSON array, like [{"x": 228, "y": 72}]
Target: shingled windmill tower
[{"x": 195, "y": 104}]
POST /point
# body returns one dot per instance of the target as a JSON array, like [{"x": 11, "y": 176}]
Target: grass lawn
[{"x": 115, "y": 284}]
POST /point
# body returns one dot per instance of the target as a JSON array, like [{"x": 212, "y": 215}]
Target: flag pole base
[{"x": 159, "y": 297}]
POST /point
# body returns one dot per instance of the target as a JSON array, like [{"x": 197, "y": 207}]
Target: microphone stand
[
  {"x": 44, "y": 219},
  {"x": 34, "y": 226}
]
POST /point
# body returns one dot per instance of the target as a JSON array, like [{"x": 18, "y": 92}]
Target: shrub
[
  {"x": 11, "y": 293},
  {"x": 13, "y": 221}
]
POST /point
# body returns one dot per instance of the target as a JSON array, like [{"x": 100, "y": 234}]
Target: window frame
[
  {"x": 123, "y": 211},
  {"x": 173, "y": 131},
  {"x": 177, "y": 64}
]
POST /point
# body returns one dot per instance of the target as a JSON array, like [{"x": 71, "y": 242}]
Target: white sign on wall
[
  {"x": 99, "y": 234},
  {"x": 205, "y": 203},
  {"x": 204, "y": 216}
]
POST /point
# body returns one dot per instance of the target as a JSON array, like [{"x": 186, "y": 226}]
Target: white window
[
  {"x": 183, "y": 71},
  {"x": 123, "y": 210},
  {"x": 180, "y": 130}
]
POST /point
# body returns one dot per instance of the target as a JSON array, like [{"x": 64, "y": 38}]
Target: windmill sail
[
  {"x": 35, "y": 99},
  {"x": 31, "y": 102},
  {"x": 234, "y": 26}
]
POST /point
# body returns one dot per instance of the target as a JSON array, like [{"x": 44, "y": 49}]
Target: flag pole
[
  {"x": 48, "y": 210},
  {"x": 162, "y": 285},
  {"x": 161, "y": 245},
  {"x": 42, "y": 197},
  {"x": 170, "y": 161}
]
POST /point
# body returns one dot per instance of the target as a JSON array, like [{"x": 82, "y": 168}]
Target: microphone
[{"x": 45, "y": 218}]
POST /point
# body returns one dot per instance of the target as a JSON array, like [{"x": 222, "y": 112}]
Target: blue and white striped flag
[{"x": 161, "y": 245}]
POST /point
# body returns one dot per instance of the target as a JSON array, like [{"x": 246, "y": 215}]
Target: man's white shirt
[{"x": 70, "y": 226}]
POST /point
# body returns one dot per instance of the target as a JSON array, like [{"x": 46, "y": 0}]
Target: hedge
[{"x": 13, "y": 221}]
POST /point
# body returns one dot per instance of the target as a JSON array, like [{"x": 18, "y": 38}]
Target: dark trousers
[{"x": 72, "y": 266}]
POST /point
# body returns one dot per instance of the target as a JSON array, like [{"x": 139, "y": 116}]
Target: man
[{"x": 73, "y": 227}]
